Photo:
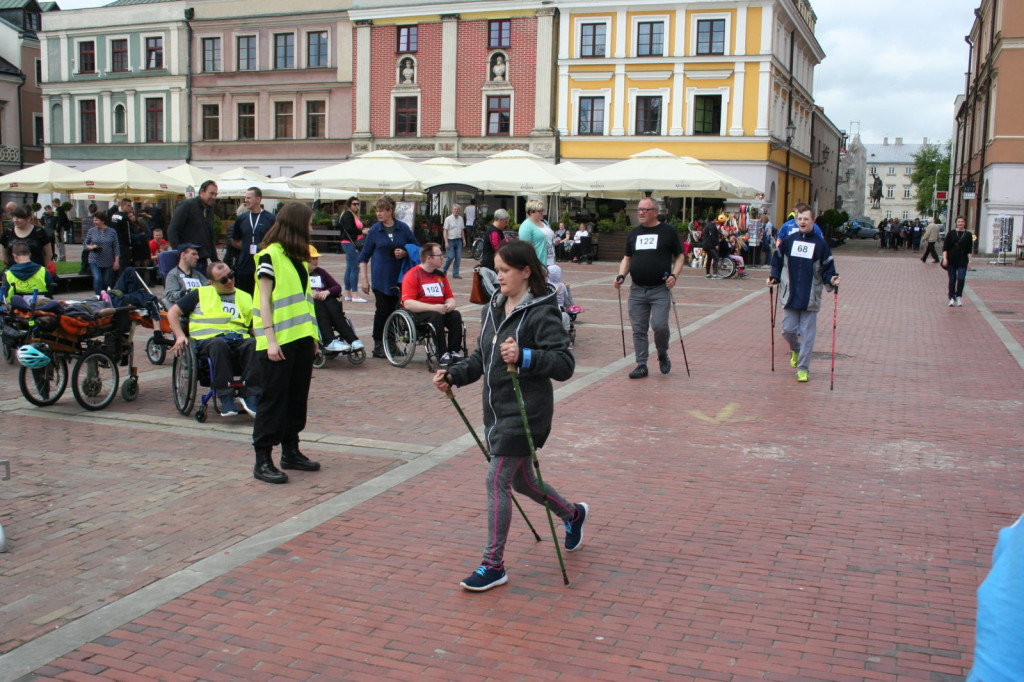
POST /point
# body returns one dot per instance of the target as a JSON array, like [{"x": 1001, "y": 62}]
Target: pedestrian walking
[
  {"x": 802, "y": 266},
  {"x": 454, "y": 232},
  {"x": 956, "y": 258},
  {"x": 192, "y": 223},
  {"x": 521, "y": 325},
  {"x": 653, "y": 261},
  {"x": 931, "y": 236},
  {"x": 284, "y": 324}
]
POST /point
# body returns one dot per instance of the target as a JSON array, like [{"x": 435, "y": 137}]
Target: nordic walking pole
[
  {"x": 835, "y": 313},
  {"x": 680, "y": 330},
  {"x": 771, "y": 314},
  {"x": 536, "y": 465},
  {"x": 458, "y": 408},
  {"x": 622, "y": 324}
]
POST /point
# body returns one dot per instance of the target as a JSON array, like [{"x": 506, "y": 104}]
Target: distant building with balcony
[{"x": 21, "y": 109}]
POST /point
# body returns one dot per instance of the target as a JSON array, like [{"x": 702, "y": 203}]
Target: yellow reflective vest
[
  {"x": 293, "y": 316},
  {"x": 36, "y": 282},
  {"x": 213, "y": 317}
]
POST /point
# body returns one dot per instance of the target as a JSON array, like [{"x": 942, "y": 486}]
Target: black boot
[
  {"x": 265, "y": 469},
  {"x": 291, "y": 458}
]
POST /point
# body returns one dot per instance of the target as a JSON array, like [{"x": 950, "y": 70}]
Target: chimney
[
  {"x": 899, "y": 141},
  {"x": 885, "y": 141}
]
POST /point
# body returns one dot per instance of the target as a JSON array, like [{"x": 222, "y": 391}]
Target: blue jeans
[
  {"x": 454, "y": 254},
  {"x": 351, "y": 279},
  {"x": 100, "y": 277},
  {"x": 957, "y": 276}
]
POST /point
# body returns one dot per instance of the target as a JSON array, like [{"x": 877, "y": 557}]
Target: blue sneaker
[
  {"x": 574, "y": 528},
  {"x": 484, "y": 578}
]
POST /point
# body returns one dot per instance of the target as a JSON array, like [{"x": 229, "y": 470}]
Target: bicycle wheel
[
  {"x": 184, "y": 378},
  {"x": 95, "y": 379},
  {"x": 726, "y": 267},
  {"x": 44, "y": 386},
  {"x": 478, "y": 249},
  {"x": 399, "y": 338}
]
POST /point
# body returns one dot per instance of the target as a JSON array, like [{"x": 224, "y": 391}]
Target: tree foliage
[{"x": 931, "y": 163}]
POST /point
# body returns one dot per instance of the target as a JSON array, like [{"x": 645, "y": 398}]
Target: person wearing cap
[
  {"x": 330, "y": 316},
  {"x": 220, "y": 323},
  {"x": 185, "y": 277}
]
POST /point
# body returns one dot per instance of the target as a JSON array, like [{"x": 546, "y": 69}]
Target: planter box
[{"x": 612, "y": 246}]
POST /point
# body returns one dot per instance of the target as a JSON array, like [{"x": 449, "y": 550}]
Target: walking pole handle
[{"x": 512, "y": 369}]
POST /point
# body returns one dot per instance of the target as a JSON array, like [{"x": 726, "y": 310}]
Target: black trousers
[
  {"x": 330, "y": 317},
  {"x": 246, "y": 282},
  {"x": 282, "y": 413},
  {"x": 385, "y": 305},
  {"x": 452, "y": 321},
  {"x": 931, "y": 250},
  {"x": 227, "y": 354}
]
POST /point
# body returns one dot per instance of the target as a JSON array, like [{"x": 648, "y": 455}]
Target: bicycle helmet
[{"x": 33, "y": 357}]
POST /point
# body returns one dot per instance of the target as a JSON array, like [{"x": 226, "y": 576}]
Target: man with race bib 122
[{"x": 802, "y": 266}]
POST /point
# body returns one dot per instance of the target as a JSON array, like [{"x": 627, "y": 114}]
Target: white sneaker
[
  {"x": 456, "y": 356},
  {"x": 337, "y": 346},
  {"x": 358, "y": 345},
  {"x": 952, "y": 303},
  {"x": 959, "y": 302},
  {"x": 348, "y": 298},
  {"x": 358, "y": 300}
]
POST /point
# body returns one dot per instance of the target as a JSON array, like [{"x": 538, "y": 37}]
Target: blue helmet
[{"x": 34, "y": 356}]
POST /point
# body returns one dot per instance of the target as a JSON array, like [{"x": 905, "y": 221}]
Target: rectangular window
[
  {"x": 283, "y": 120},
  {"x": 38, "y": 131},
  {"x": 499, "y": 33},
  {"x": 906, "y": 192},
  {"x": 87, "y": 120},
  {"x": 211, "y": 54},
  {"x": 39, "y": 72},
  {"x": 890, "y": 191},
  {"x": 648, "y": 115},
  {"x": 892, "y": 170},
  {"x": 155, "y": 53},
  {"x": 908, "y": 171},
  {"x": 246, "y": 53},
  {"x": 650, "y": 39},
  {"x": 707, "y": 115},
  {"x": 211, "y": 121},
  {"x": 407, "y": 38},
  {"x": 154, "y": 119},
  {"x": 406, "y": 116},
  {"x": 284, "y": 50},
  {"x": 499, "y": 115},
  {"x": 888, "y": 215},
  {"x": 316, "y": 119},
  {"x": 906, "y": 215},
  {"x": 711, "y": 36},
  {"x": 246, "y": 121},
  {"x": 87, "y": 57},
  {"x": 591, "y": 118},
  {"x": 592, "y": 40},
  {"x": 316, "y": 51},
  {"x": 874, "y": 170},
  {"x": 119, "y": 55}
]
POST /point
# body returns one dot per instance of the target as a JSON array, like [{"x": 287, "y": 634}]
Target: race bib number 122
[{"x": 645, "y": 242}]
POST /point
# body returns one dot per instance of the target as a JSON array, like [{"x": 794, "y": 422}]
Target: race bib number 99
[
  {"x": 231, "y": 309},
  {"x": 646, "y": 242},
  {"x": 802, "y": 250},
  {"x": 432, "y": 290}
]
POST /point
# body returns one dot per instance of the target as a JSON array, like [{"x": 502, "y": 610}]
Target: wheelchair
[
  {"x": 192, "y": 369},
  {"x": 403, "y": 332},
  {"x": 322, "y": 355}
]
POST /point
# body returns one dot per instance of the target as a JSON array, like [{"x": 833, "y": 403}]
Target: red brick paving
[{"x": 744, "y": 526}]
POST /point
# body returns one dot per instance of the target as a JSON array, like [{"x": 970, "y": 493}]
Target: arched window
[
  {"x": 57, "y": 124},
  {"x": 119, "y": 120}
]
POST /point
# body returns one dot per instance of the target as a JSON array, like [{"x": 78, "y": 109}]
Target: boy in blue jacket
[{"x": 802, "y": 265}]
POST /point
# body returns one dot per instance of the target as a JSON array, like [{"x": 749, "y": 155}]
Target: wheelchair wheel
[
  {"x": 430, "y": 347},
  {"x": 357, "y": 357},
  {"x": 130, "y": 389},
  {"x": 9, "y": 351},
  {"x": 184, "y": 378},
  {"x": 319, "y": 357},
  {"x": 44, "y": 386},
  {"x": 572, "y": 335},
  {"x": 94, "y": 380},
  {"x": 155, "y": 351},
  {"x": 399, "y": 338},
  {"x": 726, "y": 268}
]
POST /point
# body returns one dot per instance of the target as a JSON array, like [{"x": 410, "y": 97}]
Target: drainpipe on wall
[
  {"x": 190, "y": 14},
  {"x": 21, "y": 125},
  {"x": 984, "y": 130},
  {"x": 967, "y": 141},
  {"x": 789, "y": 122}
]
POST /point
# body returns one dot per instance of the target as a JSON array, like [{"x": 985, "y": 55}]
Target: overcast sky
[{"x": 894, "y": 66}]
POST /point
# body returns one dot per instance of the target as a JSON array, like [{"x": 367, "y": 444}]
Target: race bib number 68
[{"x": 802, "y": 250}]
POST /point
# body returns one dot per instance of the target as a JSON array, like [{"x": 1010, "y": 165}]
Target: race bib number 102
[
  {"x": 802, "y": 250},
  {"x": 646, "y": 242},
  {"x": 433, "y": 290}
]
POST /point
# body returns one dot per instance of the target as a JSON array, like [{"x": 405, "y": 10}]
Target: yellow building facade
[{"x": 727, "y": 82}]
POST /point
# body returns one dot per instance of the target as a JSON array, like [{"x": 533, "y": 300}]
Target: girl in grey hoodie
[{"x": 522, "y": 326}]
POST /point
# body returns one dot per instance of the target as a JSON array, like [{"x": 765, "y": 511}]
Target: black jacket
[
  {"x": 536, "y": 325},
  {"x": 192, "y": 223}
]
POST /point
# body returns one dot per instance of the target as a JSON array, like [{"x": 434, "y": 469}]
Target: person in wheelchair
[
  {"x": 220, "y": 320},
  {"x": 184, "y": 278},
  {"x": 24, "y": 277},
  {"x": 330, "y": 316},
  {"x": 427, "y": 294}
]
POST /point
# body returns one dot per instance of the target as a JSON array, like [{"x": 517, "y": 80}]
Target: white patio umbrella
[
  {"x": 510, "y": 172},
  {"x": 310, "y": 193},
  {"x": 191, "y": 175},
  {"x": 123, "y": 177},
  {"x": 661, "y": 172},
  {"x": 374, "y": 172},
  {"x": 443, "y": 163},
  {"x": 38, "y": 179},
  {"x": 234, "y": 183}
]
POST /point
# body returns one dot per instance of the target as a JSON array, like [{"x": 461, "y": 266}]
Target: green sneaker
[
  {"x": 793, "y": 357},
  {"x": 801, "y": 375}
]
